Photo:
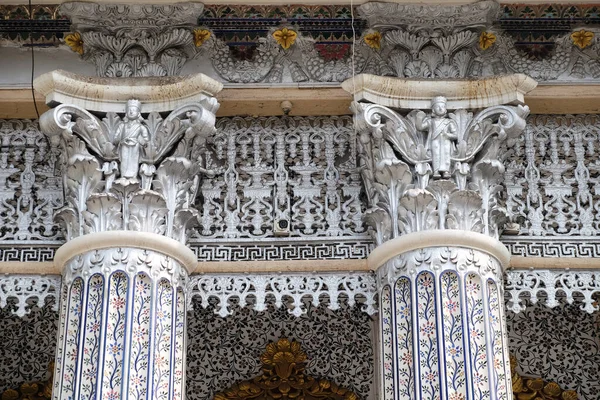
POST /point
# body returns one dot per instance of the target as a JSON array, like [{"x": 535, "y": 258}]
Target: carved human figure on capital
[
  {"x": 442, "y": 132},
  {"x": 130, "y": 138}
]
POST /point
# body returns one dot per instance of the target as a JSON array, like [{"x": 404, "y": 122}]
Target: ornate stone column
[
  {"x": 433, "y": 181},
  {"x": 131, "y": 176}
]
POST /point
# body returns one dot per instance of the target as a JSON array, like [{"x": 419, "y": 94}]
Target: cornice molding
[
  {"x": 460, "y": 93},
  {"x": 158, "y": 94}
]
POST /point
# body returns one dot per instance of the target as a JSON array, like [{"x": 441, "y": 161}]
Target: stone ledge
[
  {"x": 410, "y": 94},
  {"x": 314, "y": 266},
  {"x": 96, "y": 94}
]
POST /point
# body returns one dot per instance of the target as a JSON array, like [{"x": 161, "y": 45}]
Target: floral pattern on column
[
  {"x": 140, "y": 330},
  {"x": 427, "y": 337},
  {"x": 114, "y": 336},
  {"x": 453, "y": 336},
  {"x": 91, "y": 350},
  {"x": 477, "y": 337},
  {"x": 71, "y": 341},
  {"x": 404, "y": 332},
  {"x": 162, "y": 344},
  {"x": 452, "y": 321},
  {"x": 133, "y": 326},
  {"x": 60, "y": 345},
  {"x": 387, "y": 354},
  {"x": 499, "y": 342}
]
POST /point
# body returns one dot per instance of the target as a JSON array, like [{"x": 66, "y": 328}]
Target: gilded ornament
[
  {"x": 285, "y": 37},
  {"x": 536, "y": 388},
  {"x": 75, "y": 42},
  {"x": 33, "y": 390},
  {"x": 486, "y": 40},
  {"x": 373, "y": 40},
  {"x": 201, "y": 36},
  {"x": 283, "y": 378},
  {"x": 582, "y": 38}
]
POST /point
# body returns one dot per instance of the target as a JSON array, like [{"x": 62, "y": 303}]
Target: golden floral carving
[
  {"x": 201, "y": 36},
  {"x": 373, "y": 40},
  {"x": 285, "y": 37},
  {"x": 582, "y": 38},
  {"x": 75, "y": 42},
  {"x": 536, "y": 388},
  {"x": 486, "y": 40},
  {"x": 32, "y": 391},
  {"x": 283, "y": 378}
]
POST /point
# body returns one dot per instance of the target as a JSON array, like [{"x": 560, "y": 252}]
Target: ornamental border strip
[
  {"x": 355, "y": 248},
  {"x": 550, "y": 287},
  {"x": 255, "y": 290}
]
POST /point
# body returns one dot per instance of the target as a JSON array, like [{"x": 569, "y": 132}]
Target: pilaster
[
  {"x": 130, "y": 178},
  {"x": 433, "y": 181}
]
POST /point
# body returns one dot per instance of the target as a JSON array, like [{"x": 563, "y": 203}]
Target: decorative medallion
[
  {"x": 373, "y": 40},
  {"x": 582, "y": 38},
  {"x": 486, "y": 40},
  {"x": 285, "y": 37},
  {"x": 284, "y": 378}
]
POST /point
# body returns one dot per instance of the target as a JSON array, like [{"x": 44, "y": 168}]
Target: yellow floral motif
[
  {"x": 285, "y": 37},
  {"x": 582, "y": 39},
  {"x": 75, "y": 42},
  {"x": 201, "y": 36},
  {"x": 486, "y": 40},
  {"x": 373, "y": 40}
]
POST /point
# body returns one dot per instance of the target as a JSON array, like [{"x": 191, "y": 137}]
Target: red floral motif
[
  {"x": 118, "y": 302},
  {"x": 333, "y": 51}
]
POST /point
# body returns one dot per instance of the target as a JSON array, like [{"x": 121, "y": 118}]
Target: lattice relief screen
[{"x": 297, "y": 178}]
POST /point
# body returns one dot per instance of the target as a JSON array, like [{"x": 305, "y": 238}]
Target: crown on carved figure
[
  {"x": 134, "y": 103},
  {"x": 438, "y": 99}
]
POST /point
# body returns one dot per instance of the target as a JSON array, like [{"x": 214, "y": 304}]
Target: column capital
[
  {"x": 432, "y": 152},
  {"x": 125, "y": 166}
]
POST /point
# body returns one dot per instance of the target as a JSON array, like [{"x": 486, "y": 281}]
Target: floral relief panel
[
  {"x": 222, "y": 351},
  {"x": 561, "y": 345}
]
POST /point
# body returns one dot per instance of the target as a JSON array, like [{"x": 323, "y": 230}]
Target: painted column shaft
[
  {"x": 122, "y": 327},
  {"x": 442, "y": 326}
]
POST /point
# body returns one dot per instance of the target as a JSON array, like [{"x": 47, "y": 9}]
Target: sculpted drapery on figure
[
  {"x": 441, "y": 133},
  {"x": 131, "y": 137}
]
